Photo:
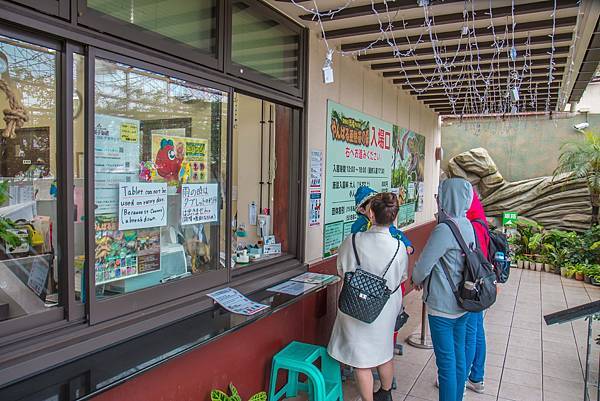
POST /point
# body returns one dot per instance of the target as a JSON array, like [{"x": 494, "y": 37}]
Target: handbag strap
[{"x": 388, "y": 265}]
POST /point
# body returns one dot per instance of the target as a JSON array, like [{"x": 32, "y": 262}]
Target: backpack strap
[
  {"x": 452, "y": 285},
  {"x": 482, "y": 223},
  {"x": 457, "y": 235}
]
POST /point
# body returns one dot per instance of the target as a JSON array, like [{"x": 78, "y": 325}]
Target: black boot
[{"x": 382, "y": 395}]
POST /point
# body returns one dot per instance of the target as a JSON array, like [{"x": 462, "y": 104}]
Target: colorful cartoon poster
[
  {"x": 123, "y": 254},
  {"x": 199, "y": 203},
  {"x": 179, "y": 159},
  {"x": 116, "y": 159},
  {"x": 142, "y": 205},
  {"x": 359, "y": 152},
  {"x": 408, "y": 171}
]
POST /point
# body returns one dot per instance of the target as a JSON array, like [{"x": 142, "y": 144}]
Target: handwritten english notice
[
  {"x": 142, "y": 205},
  {"x": 199, "y": 203}
]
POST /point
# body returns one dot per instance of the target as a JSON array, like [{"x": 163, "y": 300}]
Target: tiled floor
[{"x": 526, "y": 360}]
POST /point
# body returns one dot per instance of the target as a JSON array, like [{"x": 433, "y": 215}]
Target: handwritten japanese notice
[
  {"x": 359, "y": 152},
  {"x": 199, "y": 203},
  {"x": 142, "y": 205}
]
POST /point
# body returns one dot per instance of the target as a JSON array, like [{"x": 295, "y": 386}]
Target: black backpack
[
  {"x": 479, "y": 275},
  {"x": 498, "y": 243}
]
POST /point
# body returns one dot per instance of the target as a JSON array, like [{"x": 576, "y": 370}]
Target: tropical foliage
[
  {"x": 218, "y": 395},
  {"x": 582, "y": 158}
]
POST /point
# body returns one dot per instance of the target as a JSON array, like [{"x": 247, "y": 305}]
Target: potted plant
[
  {"x": 520, "y": 261},
  {"x": 590, "y": 271},
  {"x": 570, "y": 272},
  {"x": 596, "y": 280},
  {"x": 564, "y": 270},
  {"x": 580, "y": 272}
]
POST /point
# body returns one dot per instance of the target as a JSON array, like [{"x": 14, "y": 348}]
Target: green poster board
[
  {"x": 509, "y": 218},
  {"x": 408, "y": 171},
  {"x": 359, "y": 152}
]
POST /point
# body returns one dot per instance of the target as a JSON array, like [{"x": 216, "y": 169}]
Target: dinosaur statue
[{"x": 561, "y": 202}]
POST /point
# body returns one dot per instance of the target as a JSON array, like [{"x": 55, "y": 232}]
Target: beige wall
[{"x": 358, "y": 87}]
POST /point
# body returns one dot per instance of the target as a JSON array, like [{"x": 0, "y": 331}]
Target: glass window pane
[
  {"x": 79, "y": 171},
  {"x": 260, "y": 173},
  {"x": 159, "y": 178},
  {"x": 264, "y": 45},
  {"x": 28, "y": 138},
  {"x": 193, "y": 23}
]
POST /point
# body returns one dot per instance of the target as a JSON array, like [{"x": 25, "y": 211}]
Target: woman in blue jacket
[{"x": 447, "y": 320}]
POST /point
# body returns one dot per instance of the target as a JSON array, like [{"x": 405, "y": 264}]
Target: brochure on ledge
[
  {"x": 313, "y": 278},
  {"x": 235, "y": 302},
  {"x": 292, "y": 288}
]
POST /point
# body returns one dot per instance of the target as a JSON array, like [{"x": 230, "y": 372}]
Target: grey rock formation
[{"x": 561, "y": 202}]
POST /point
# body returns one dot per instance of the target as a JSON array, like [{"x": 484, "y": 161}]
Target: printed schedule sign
[
  {"x": 199, "y": 203},
  {"x": 359, "y": 152},
  {"x": 142, "y": 205}
]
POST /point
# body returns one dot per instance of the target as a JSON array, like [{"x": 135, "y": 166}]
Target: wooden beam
[
  {"x": 455, "y": 18},
  {"x": 542, "y": 93},
  {"x": 367, "y": 9},
  {"x": 494, "y": 79},
  {"x": 484, "y": 47},
  {"x": 540, "y": 63},
  {"x": 468, "y": 77},
  {"x": 563, "y": 50},
  {"x": 443, "y": 101},
  {"x": 455, "y": 35}
]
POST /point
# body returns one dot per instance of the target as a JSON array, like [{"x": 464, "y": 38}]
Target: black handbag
[{"x": 365, "y": 294}]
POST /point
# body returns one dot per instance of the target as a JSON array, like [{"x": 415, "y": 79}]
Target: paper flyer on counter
[
  {"x": 292, "y": 288},
  {"x": 235, "y": 302},
  {"x": 313, "y": 278}
]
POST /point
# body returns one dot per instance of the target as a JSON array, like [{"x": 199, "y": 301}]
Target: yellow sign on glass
[{"x": 129, "y": 132}]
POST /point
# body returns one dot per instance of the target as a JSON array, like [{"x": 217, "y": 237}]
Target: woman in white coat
[{"x": 362, "y": 345}]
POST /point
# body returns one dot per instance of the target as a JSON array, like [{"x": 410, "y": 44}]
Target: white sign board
[
  {"x": 199, "y": 203},
  {"x": 142, "y": 205}
]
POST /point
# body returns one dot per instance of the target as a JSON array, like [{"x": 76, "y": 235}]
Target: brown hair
[{"x": 385, "y": 207}]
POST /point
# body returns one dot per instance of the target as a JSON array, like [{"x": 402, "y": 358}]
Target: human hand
[
  {"x": 417, "y": 287},
  {"x": 410, "y": 250}
]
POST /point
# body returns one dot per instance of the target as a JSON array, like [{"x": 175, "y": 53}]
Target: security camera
[{"x": 581, "y": 126}]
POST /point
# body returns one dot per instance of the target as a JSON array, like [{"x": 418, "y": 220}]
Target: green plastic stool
[{"x": 298, "y": 358}]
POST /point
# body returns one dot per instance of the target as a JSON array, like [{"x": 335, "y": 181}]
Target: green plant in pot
[
  {"x": 580, "y": 271},
  {"x": 570, "y": 272}
]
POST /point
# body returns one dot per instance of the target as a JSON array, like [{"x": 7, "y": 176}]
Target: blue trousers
[
  {"x": 448, "y": 337},
  {"x": 475, "y": 347}
]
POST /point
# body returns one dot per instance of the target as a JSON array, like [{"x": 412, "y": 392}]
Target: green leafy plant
[
  {"x": 582, "y": 158},
  {"x": 218, "y": 395},
  {"x": 7, "y": 224}
]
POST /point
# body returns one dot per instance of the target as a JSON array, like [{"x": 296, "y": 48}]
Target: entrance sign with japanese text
[{"x": 359, "y": 152}]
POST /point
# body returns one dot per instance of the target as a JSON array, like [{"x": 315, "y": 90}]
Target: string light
[{"x": 498, "y": 95}]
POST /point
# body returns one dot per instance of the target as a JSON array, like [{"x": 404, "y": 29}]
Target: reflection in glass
[
  {"x": 159, "y": 178},
  {"x": 28, "y": 187},
  {"x": 261, "y": 184},
  {"x": 189, "y": 22},
  {"x": 264, "y": 45},
  {"x": 79, "y": 172}
]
